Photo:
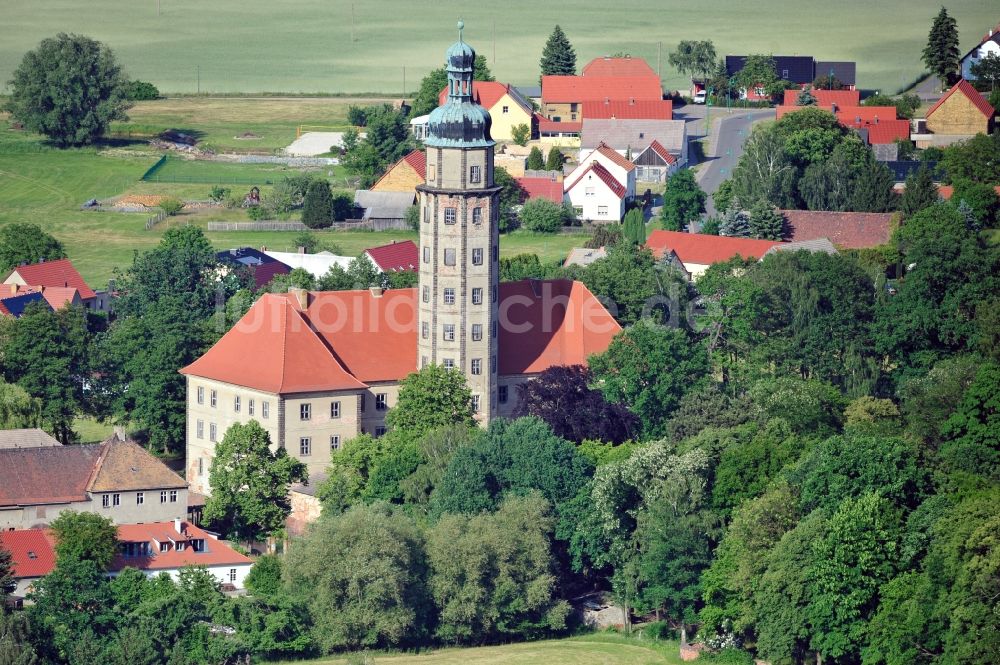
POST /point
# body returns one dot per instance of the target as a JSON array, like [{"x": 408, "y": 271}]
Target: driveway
[{"x": 729, "y": 131}]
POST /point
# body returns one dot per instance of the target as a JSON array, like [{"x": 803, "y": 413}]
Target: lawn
[
  {"x": 599, "y": 649},
  {"x": 351, "y": 47},
  {"x": 180, "y": 170}
]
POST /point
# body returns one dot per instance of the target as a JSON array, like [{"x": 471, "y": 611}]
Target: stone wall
[{"x": 958, "y": 115}]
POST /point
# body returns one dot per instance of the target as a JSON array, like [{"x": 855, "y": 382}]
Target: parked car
[{"x": 699, "y": 97}]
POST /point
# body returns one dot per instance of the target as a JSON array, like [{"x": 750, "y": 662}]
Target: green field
[
  {"x": 180, "y": 170},
  {"x": 599, "y": 649},
  {"x": 315, "y": 46}
]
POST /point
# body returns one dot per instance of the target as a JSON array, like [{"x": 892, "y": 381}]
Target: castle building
[{"x": 316, "y": 369}]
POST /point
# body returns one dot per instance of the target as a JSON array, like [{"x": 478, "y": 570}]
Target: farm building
[
  {"x": 404, "y": 175},
  {"x": 961, "y": 113}
]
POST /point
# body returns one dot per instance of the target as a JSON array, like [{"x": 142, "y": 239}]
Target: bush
[
  {"x": 604, "y": 236},
  {"x": 520, "y": 134},
  {"x": 171, "y": 206},
  {"x": 317, "y": 208},
  {"x": 357, "y": 116},
  {"x": 543, "y": 216},
  {"x": 343, "y": 206},
  {"x": 138, "y": 91},
  {"x": 535, "y": 160},
  {"x": 413, "y": 217},
  {"x": 264, "y": 578},
  {"x": 219, "y": 193}
]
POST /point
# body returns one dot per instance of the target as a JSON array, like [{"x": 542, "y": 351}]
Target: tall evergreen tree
[
  {"x": 735, "y": 223},
  {"x": 920, "y": 192},
  {"x": 766, "y": 222},
  {"x": 555, "y": 159},
  {"x": 535, "y": 160},
  {"x": 558, "y": 56},
  {"x": 317, "y": 207},
  {"x": 806, "y": 98},
  {"x": 941, "y": 54}
]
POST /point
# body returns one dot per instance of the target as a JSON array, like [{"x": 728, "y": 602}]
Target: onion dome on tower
[{"x": 460, "y": 123}]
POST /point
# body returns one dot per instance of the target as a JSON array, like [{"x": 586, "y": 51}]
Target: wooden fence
[
  {"x": 346, "y": 225},
  {"x": 257, "y": 226},
  {"x": 156, "y": 219}
]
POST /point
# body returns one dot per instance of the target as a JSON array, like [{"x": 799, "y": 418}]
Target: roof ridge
[{"x": 98, "y": 463}]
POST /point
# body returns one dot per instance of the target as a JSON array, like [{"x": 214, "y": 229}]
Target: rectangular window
[
  {"x": 305, "y": 411},
  {"x": 448, "y": 363},
  {"x": 163, "y": 496},
  {"x": 305, "y": 445},
  {"x": 335, "y": 442},
  {"x": 477, "y": 332},
  {"x": 477, "y": 215},
  {"x": 477, "y": 256},
  {"x": 106, "y": 501},
  {"x": 423, "y": 362},
  {"x": 173, "y": 496},
  {"x": 450, "y": 215},
  {"x": 475, "y": 403},
  {"x": 164, "y": 547},
  {"x": 426, "y": 216},
  {"x": 502, "y": 394},
  {"x": 493, "y": 365},
  {"x": 198, "y": 544},
  {"x": 212, "y": 432},
  {"x": 602, "y": 211},
  {"x": 236, "y": 404},
  {"x": 140, "y": 498},
  {"x": 477, "y": 366},
  {"x": 214, "y": 398},
  {"x": 449, "y": 257},
  {"x": 265, "y": 409},
  {"x": 201, "y": 467},
  {"x": 200, "y": 428},
  {"x": 494, "y": 330},
  {"x": 116, "y": 499},
  {"x": 232, "y": 574},
  {"x": 588, "y": 191},
  {"x": 179, "y": 546},
  {"x": 477, "y": 296},
  {"x": 362, "y": 401},
  {"x": 427, "y": 254},
  {"x": 426, "y": 294},
  {"x": 334, "y": 409},
  {"x": 425, "y": 330},
  {"x": 201, "y": 394},
  {"x": 250, "y": 407},
  {"x": 475, "y": 173},
  {"x": 449, "y": 332},
  {"x": 449, "y": 296},
  {"x": 381, "y": 401},
  {"x": 506, "y": 109},
  {"x": 380, "y": 431}
]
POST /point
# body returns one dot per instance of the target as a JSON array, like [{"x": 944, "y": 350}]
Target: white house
[
  {"x": 596, "y": 195},
  {"x": 990, "y": 44},
  {"x": 614, "y": 162}
]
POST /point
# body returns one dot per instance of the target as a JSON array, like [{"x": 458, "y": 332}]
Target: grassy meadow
[
  {"x": 348, "y": 47},
  {"x": 597, "y": 649}
]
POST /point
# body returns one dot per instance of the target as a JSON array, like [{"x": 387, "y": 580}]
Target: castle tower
[{"x": 459, "y": 238}]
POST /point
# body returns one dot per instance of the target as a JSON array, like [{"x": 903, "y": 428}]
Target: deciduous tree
[
  {"x": 920, "y": 192},
  {"x": 430, "y": 398},
  {"x": 683, "y": 201},
  {"x": 85, "y": 537},
  {"x": 27, "y": 243},
  {"x": 544, "y": 216},
  {"x": 693, "y": 58}
]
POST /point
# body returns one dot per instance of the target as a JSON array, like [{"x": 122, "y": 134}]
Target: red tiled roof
[
  {"x": 614, "y": 156},
  {"x": 548, "y": 126},
  {"x": 971, "y": 93},
  {"x": 629, "y": 110},
  {"x": 55, "y": 474},
  {"x": 396, "y": 256},
  {"x": 418, "y": 160},
  {"x": 59, "y": 272},
  {"x": 216, "y": 552},
  {"x": 273, "y": 348},
  {"x": 57, "y": 296},
  {"x": 569, "y": 89},
  {"x": 664, "y": 154},
  {"x": 851, "y": 115},
  {"x": 486, "y": 94},
  {"x": 888, "y": 131},
  {"x": 605, "y": 176},
  {"x": 541, "y": 188},
  {"x": 608, "y": 66},
  {"x": 32, "y": 550},
  {"x": 375, "y": 338},
  {"x": 705, "y": 249},
  {"x": 946, "y": 191},
  {"x": 850, "y": 230},
  {"x": 826, "y": 97}
]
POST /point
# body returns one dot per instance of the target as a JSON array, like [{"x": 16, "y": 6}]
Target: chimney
[
  {"x": 876, "y": 120},
  {"x": 376, "y": 291},
  {"x": 263, "y": 248},
  {"x": 301, "y": 295},
  {"x": 179, "y": 526},
  {"x": 631, "y": 101},
  {"x": 13, "y": 289}
]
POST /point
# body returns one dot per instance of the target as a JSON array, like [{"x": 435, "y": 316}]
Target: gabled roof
[
  {"x": 569, "y": 89},
  {"x": 887, "y": 131},
  {"x": 703, "y": 249},
  {"x": 396, "y": 256},
  {"x": 850, "y": 230},
  {"x": 991, "y": 36},
  {"x": 15, "y": 305},
  {"x": 659, "y": 151},
  {"x": 613, "y": 156},
  {"x": 56, "y": 296},
  {"x": 418, "y": 160},
  {"x": 488, "y": 93},
  {"x": 273, "y": 348},
  {"x": 383, "y": 205},
  {"x": 216, "y": 552},
  {"x": 633, "y": 109},
  {"x": 124, "y": 465},
  {"x": 374, "y": 337},
  {"x": 609, "y": 66},
  {"x": 826, "y": 97},
  {"x": 59, "y": 272},
  {"x": 603, "y": 175},
  {"x": 622, "y": 135},
  {"x": 844, "y": 71},
  {"x": 801, "y": 68},
  {"x": 965, "y": 88},
  {"x": 541, "y": 188},
  {"x": 25, "y": 438},
  {"x": 32, "y": 551}
]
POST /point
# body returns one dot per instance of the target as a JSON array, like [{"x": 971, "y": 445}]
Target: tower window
[
  {"x": 449, "y": 257},
  {"x": 426, "y": 291},
  {"x": 450, "y": 215},
  {"x": 476, "y": 366},
  {"x": 425, "y": 330},
  {"x": 381, "y": 401},
  {"x": 449, "y": 332},
  {"x": 477, "y": 332},
  {"x": 477, "y": 296},
  {"x": 427, "y": 254},
  {"x": 496, "y": 252},
  {"x": 427, "y": 215},
  {"x": 475, "y": 174},
  {"x": 477, "y": 215},
  {"x": 477, "y": 255},
  {"x": 449, "y": 296}
]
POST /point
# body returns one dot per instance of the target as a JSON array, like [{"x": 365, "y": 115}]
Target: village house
[
  {"x": 877, "y": 125},
  {"x": 962, "y": 112},
  {"x": 117, "y": 479},
  {"x": 602, "y": 186},
  {"x": 261, "y": 266},
  {"x": 401, "y": 256},
  {"x": 13, "y": 306},
  {"x": 56, "y": 274},
  {"x": 318, "y": 368},
  {"x": 549, "y": 188},
  {"x": 802, "y": 70},
  {"x": 655, "y": 164},
  {"x": 698, "y": 251},
  {"x": 404, "y": 175},
  {"x": 846, "y": 230},
  {"x": 988, "y": 45},
  {"x": 506, "y": 106}
]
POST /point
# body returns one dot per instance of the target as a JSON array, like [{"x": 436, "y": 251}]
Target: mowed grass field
[
  {"x": 599, "y": 649},
  {"x": 345, "y": 46}
]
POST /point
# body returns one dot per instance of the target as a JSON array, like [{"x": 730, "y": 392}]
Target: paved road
[{"x": 725, "y": 147}]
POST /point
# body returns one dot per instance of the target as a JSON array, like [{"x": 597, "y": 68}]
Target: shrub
[
  {"x": 357, "y": 116},
  {"x": 264, "y": 578},
  {"x": 138, "y": 91},
  {"x": 413, "y": 217},
  {"x": 604, "y": 236},
  {"x": 171, "y": 206},
  {"x": 219, "y": 193},
  {"x": 535, "y": 160},
  {"x": 317, "y": 208},
  {"x": 343, "y": 206},
  {"x": 543, "y": 216},
  {"x": 520, "y": 134}
]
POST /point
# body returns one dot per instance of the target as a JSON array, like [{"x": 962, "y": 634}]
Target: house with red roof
[
  {"x": 550, "y": 189},
  {"x": 987, "y": 46},
  {"x": 601, "y": 186},
  {"x": 404, "y": 175},
  {"x": 825, "y": 98},
  {"x": 846, "y": 230},
  {"x": 400, "y": 256},
  {"x": 13, "y": 306},
  {"x": 628, "y": 80},
  {"x": 152, "y": 547},
  {"x": 655, "y": 163},
  {"x": 877, "y": 125},
  {"x": 508, "y": 108},
  {"x": 59, "y": 273},
  {"x": 962, "y": 112},
  {"x": 697, "y": 251}
]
